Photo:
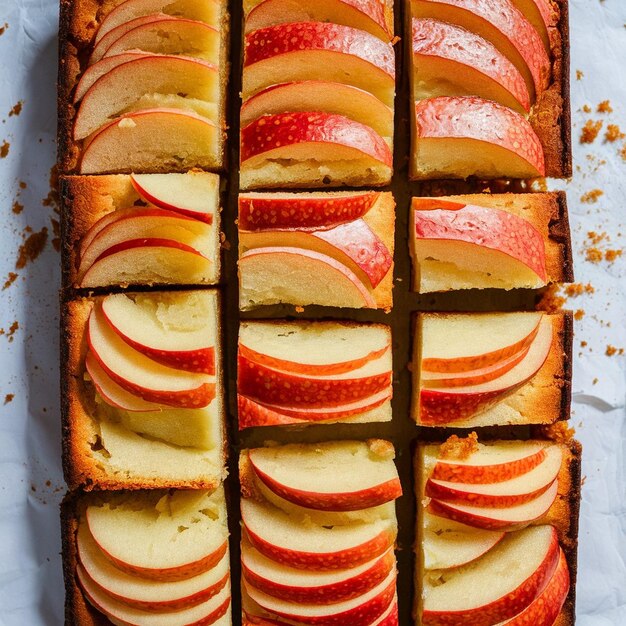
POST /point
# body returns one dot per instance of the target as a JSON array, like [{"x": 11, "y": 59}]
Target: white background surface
[{"x": 31, "y": 484}]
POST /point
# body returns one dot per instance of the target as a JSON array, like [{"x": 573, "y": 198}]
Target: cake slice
[
  {"x": 146, "y": 557},
  {"x": 502, "y": 241},
  {"x": 143, "y": 403},
  {"x": 330, "y": 249},
  {"x": 466, "y": 571},
  {"x": 315, "y": 548},
  {"x": 313, "y": 373},
  {"x": 142, "y": 229},
  {"x": 485, "y": 369}
]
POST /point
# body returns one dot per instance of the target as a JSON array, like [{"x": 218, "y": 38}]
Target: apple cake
[
  {"x": 318, "y": 93},
  {"x": 318, "y": 533},
  {"x": 305, "y": 373},
  {"x": 490, "y": 81},
  {"x": 501, "y": 241},
  {"x": 496, "y": 532},
  {"x": 491, "y": 369},
  {"x": 329, "y": 248},
  {"x": 141, "y": 229},
  {"x": 155, "y": 558},
  {"x": 142, "y": 85},
  {"x": 143, "y": 391}
]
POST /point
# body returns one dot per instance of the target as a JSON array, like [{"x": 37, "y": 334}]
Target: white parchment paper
[{"x": 31, "y": 484}]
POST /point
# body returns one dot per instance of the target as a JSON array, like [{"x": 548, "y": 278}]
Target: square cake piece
[
  {"x": 496, "y": 532},
  {"x": 490, "y": 81},
  {"x": 318, "y": 533},
  {"x": 305, "y": 373},
  {"x": 146, "y": 557},
  {"x": 143, "y": 391},
  {"x": 142, "y": 85},
  {"x": 491, "y": 369},
  {"x": 501, "y": 241},
  {"x": 141, "y": 229},
  {"x": 330, "y": 249}
]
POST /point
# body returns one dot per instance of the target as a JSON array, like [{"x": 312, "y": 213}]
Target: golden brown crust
[
  {"x": 79, "y": 21},
  {"x": 80, "y": 428}
]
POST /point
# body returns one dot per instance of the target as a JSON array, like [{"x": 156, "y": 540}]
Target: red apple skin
[
  {"x": 491, "y": 228},
  {"x": 350, "y": 557},
  {"x": 509, "y": 605},
  {"x": 147, "y": 241},
  {"x": 460, "y": 46},
  {"x": 269, "y": 386},
  {"x": 267, "y": 212},
  {"x": 326, "y": 594},
  {"x": 272, "y": 132},
  {"x": 487, "y": 474},
  {"x": 251, "y": 414},
  {"x": 265, "y": 43},
  {"x": 545, "y": 609},
  {"x": 355, "y": 501},
  {"x": 481, "y": 120}
]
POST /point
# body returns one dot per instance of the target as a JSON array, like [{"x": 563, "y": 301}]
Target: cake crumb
[
  {"x": 590, "y": 131},
  {"x": 10, "y": 280},
  {"x": 612, "y": 350},
  {"x": 4, "y": 149},
  {"x": 579, "y": 314},
  {"x": 559, "y": 432},
  {"x": 551, "y": 301},
  {"x": 577, "y": 289},
  {"x": 591, "y": 197},
  {"x": 31, "y": 248},
  {"x": 595, "y": 238},
  {"x": 3, "y": 28},
  {"x": 605, "y": 107},
  {"x": 595, "y": 381},
  {"x": 9, "y": 398},
  {"x": 586, "y": 108},
  {"x": 594, "y": 255},
  {"x": 52, "y": 199},
  {"x": 17, "y": 207},
  {"x": 299, "y": 309},
  {"x": 613, "y": 133},
  {"x": 15, "y": 326},
  {"x": 583, "y": 344},
  {"x": 17, "y": 108},
  {"x": 579, "y": 75},
  {"x": 457, "y": 448},
  {"x": 612, "y": 255}
]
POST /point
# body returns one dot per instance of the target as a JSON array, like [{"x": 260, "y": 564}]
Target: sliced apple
[
  {"x": 508, "y": 519},
  {"x": 499, "y": 585},
  {"x": 359, "y": 611},
  {"x": 313, "y": 348},
  {"x": 318, "y": 51},
  {"x": 128, "y": 10},
  {"x": 175, "y": 138},
  {"x": 304, "y": 587},
  {"x": 372, "y": 16},
  {"x": 469, "y": 136},
  {"x": 267, "y": 385},
  {"x": 451, "y": 61},
  {"x": 461, "y": 343},
  {"x": 113, "y": 92},
  {"x": 513, "y": 492},
  {"x": 442, "y": 406},
  {"x": 183, "y": 535},
  {"x": 141, "y": 375},
  {"x": 313, "y": 278},
  {"x": 542, "y": 15},
  {"x": 149, "y": 261},
  {"x": 318, "y": 95},
  {"x": 334, "y": 476},
  {"x": 146, "y": 594},
  {"x": 251, "y": 414},
  {"x": 194, "y": 194},
  {"x": 449, "y": 549},
  {"x": 492, "y": 463},
  {"x": 307, "y": 546},
  {"x": 182, "y": 337},
  {"x": 501, "y": 23},
  {"x": 305, "y": 141},
  {"x": 465, "y": 246},
  {"x": 544, "y": 610},
  {"x": 208, "y": 612},
  {"x": 172, "y": 35},
  {"x": 353, "y": 244},
  {"x": 258, "y": 211}
]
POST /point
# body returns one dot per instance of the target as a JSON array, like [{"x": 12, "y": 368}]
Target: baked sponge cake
[
  {"x": 142, "y": 85},
  {"x": 330, "y": 249},
  {"x": 496, "y": 532},
  {"x": 147, "y": 558},
  {"x": 302, "y": 373},
  {"x": 319, "y": 529},
  {"x": 141, "y": 229},
  {"x": 501, "y": 241},
  {"x": 143, "y": 391},
  {"x": 491, "y": 88}
]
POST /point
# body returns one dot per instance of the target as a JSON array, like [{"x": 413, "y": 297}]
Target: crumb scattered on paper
[
  {"x": 590, "y": 131},
  {"x": 4, "y": 149},
  {"x": 613, "y": 133},
  {"x": 579, "y": 75},
  {"x": 9, "y": 334},
  {"x": 591, "y": 197},
  {"x": 31, "y": 248},
  {"x": 9, "y": 398},
  {"x": 17, "y": 108},
  {"x": 605, "y": 107}
]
